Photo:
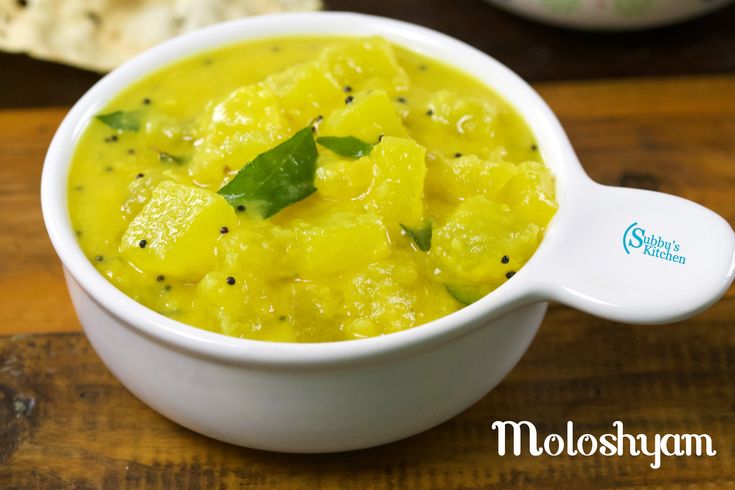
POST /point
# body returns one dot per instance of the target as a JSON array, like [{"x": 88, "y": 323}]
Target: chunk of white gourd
[
  {"x": 338, "y": 243},
  {"x": 365, "y": 63},
  {"x": 314, "y": 312},
  {"x": 465, "y": 176},
  {"x": 399, "y": 168},
  {"x": 469, "y": 248},
  {"x": 176, "y": 232},
  {"x": 531, "y": 192},
  {"x": 369, "y": 116},
  {"x": 248, "y": 122},
  {"x": 339, "y": 179},
  {"x": 305, "y": 91}
]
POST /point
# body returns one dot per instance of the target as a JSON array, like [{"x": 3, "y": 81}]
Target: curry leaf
[
  {"x": 465, "y": 295},
  {"x": 165, "y": 157},
  {"x": 346, "y": 146},
  {"x": 420, "y": 236},
  {"x": 124, "y": 121},
  {"x": 277, "y": 178}
]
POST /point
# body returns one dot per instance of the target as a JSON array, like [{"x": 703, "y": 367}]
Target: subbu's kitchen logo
[{"x": 637, "y": 239}]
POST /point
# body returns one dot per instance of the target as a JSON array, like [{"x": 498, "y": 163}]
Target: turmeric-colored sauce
[{"x": 308, "y": 189}]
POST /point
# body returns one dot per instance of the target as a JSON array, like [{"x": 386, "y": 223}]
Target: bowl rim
[
  {"x": 550, "y": 137},
  {"x": 591, "y": 18}
]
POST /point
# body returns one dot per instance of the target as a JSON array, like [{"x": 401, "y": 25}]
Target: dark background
[{"x": 536, "y": 52}]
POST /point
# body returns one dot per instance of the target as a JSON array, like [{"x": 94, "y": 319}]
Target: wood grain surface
[
  {"x": 68, "y": 423},
  {"x": 65, "y": 422}
]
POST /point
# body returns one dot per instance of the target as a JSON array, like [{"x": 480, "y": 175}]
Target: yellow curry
[{"x": 308, "y": 189}]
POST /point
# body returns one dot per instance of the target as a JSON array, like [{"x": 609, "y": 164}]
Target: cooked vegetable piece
[
  {"x": 464, "y": 115},
  {"x": 398, "y": 187},
  {"x": 382, "y": 295},
  {"x": 236, "y": 305},
  {"x": 176, "y": 231},
  {"x": 248, "y": 122},
  {"x": 340, "y": 242},
  {"x": 257, "y": 249},
  {"x": 458, "y": 178},
  {"x": 368, "y": 117},
  {"x": 315, "y": 310},
  {"x": 305, "y": 91},
  {"x": 343, "y": 180},
  {"x": 531, "y": 192},
  {"x": 468, "y": 247},
  {"x": 367, "y": 63}
]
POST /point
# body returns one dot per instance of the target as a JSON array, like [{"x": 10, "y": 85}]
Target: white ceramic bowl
[
  {"x": 610, "y": 14},
  {"x": 347, "y": 395}
]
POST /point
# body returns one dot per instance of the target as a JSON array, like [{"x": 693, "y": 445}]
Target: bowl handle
[{"x": 636, "y": 256}]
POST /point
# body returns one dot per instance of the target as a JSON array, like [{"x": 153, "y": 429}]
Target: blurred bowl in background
[{"x": 610, "y": 14}]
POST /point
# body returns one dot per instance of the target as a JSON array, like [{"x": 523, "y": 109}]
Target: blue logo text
[{"x": 638, "y": 239}]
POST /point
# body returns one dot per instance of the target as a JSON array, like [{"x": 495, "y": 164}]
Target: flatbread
[{"x": 101, "y": 34}]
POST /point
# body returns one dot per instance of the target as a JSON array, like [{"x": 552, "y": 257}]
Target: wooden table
[{"x": 653, "y": 110}]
